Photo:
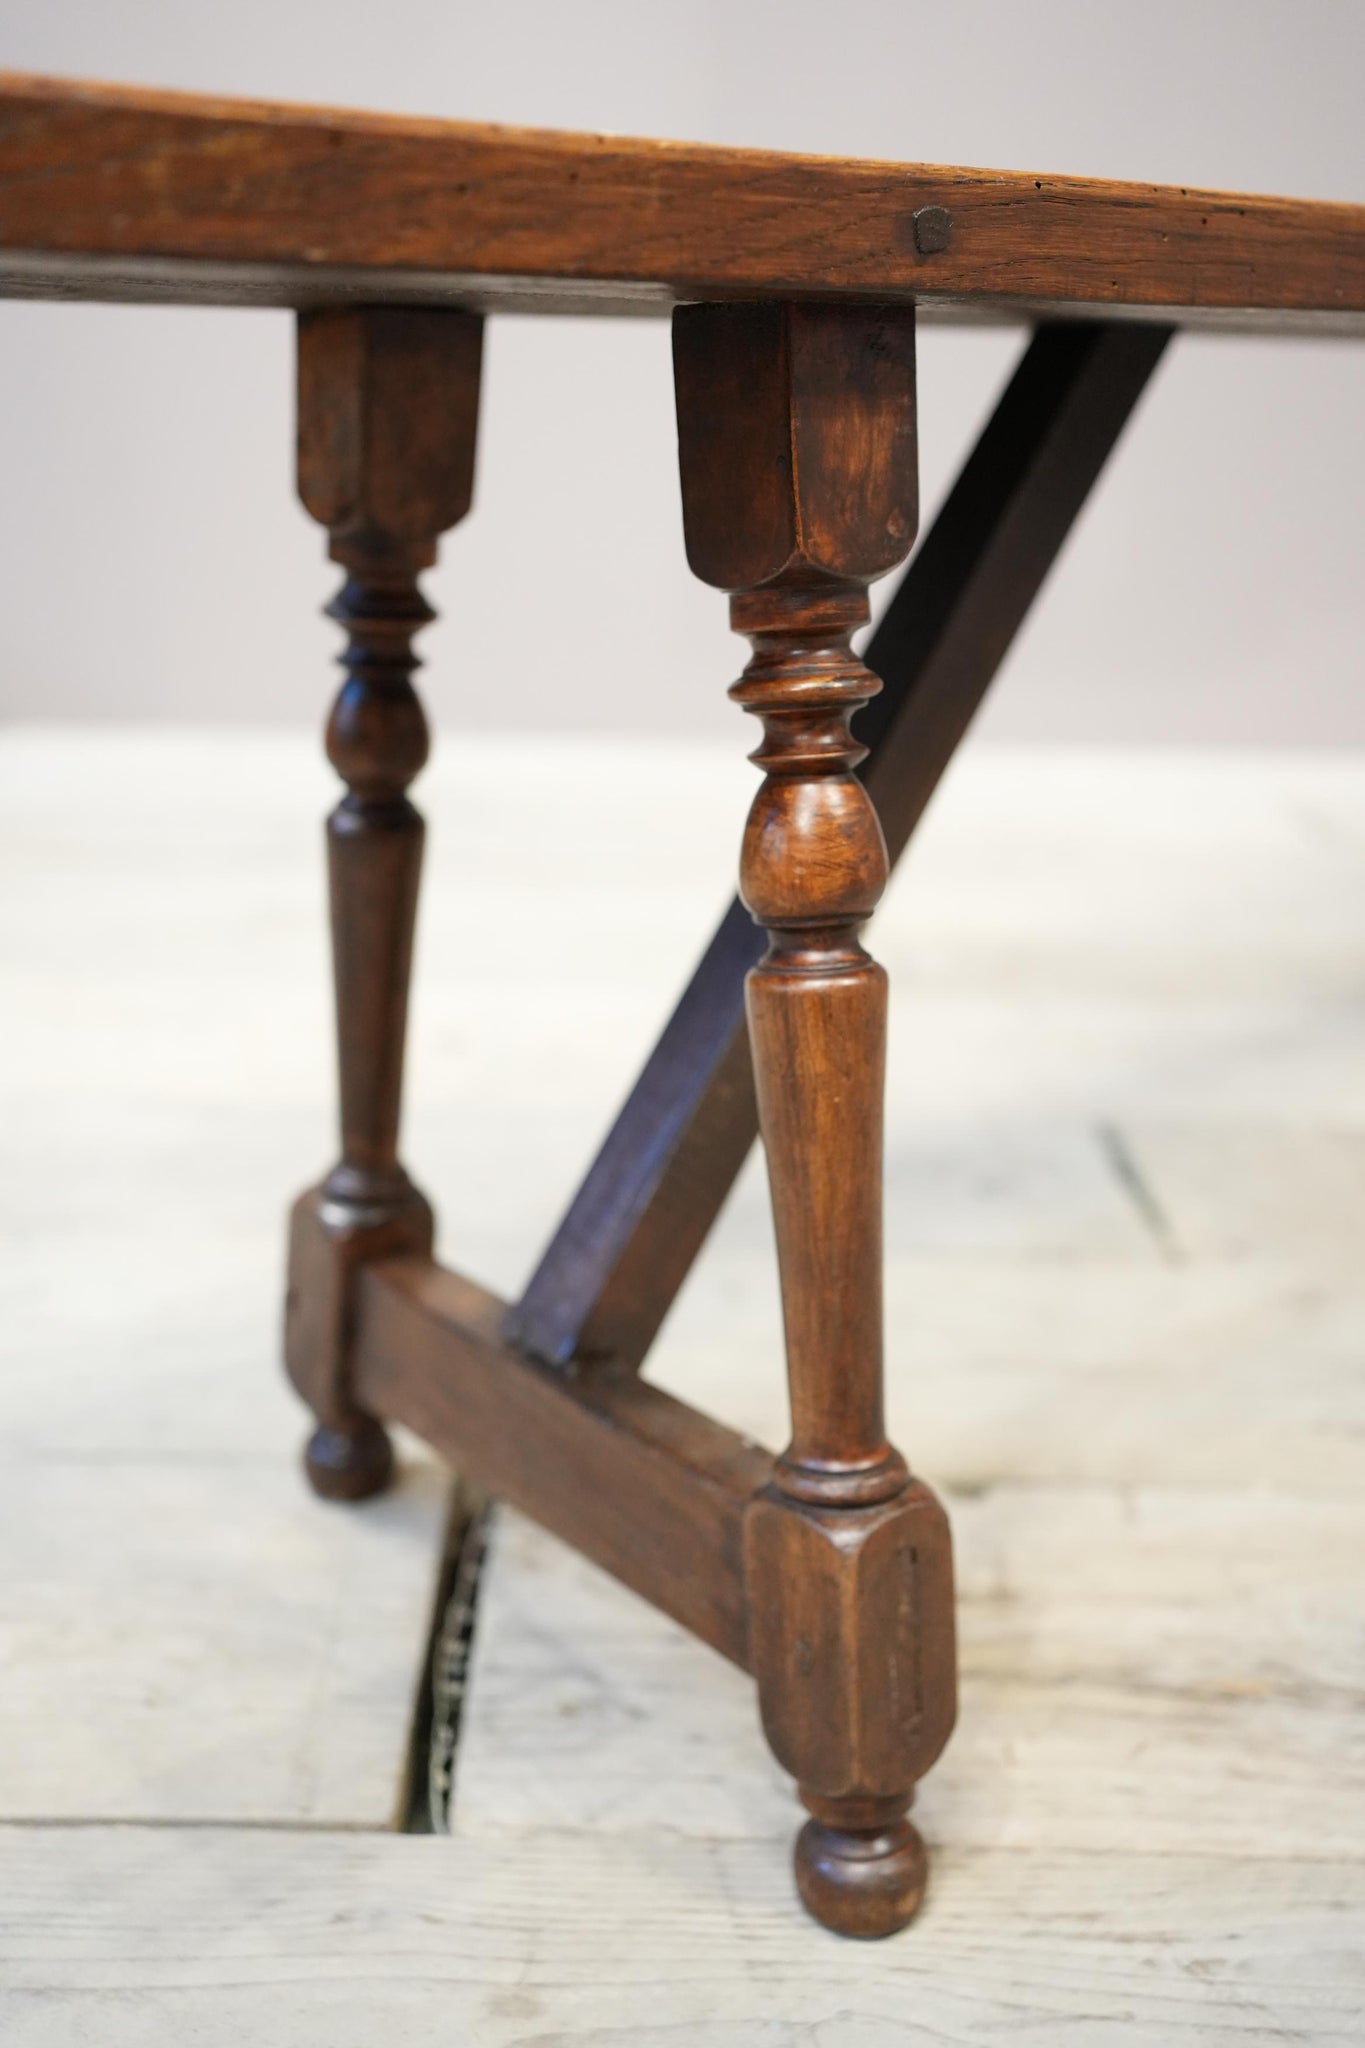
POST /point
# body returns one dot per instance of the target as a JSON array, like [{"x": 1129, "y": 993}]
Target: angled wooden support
[{"x": 651, "y": 1195}]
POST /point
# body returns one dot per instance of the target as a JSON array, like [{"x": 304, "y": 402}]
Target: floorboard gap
[{"x": 440, "y": 1697}]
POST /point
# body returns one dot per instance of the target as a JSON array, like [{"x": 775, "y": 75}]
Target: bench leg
[
  {"x": 387, "y": 412},
  {"x": 643, "y": 1209},
  {"x": 797, "y": 439}
]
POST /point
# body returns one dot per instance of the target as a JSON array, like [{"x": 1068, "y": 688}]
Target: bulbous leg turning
[{"x": 861, "y": 1867}]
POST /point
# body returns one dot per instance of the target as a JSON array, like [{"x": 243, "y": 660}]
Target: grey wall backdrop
[{"x": 155, "y": 565}]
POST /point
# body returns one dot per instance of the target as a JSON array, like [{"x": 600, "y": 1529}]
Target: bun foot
[
  {"x": 349, "y": 1464},
  {"x": 861, "y": 1866}
]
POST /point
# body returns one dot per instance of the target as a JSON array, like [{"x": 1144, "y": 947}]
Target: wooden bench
[{"x": 794, "y": 285}]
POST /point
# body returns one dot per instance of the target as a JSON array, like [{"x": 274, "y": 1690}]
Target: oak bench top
[{"x": 115, "y": 193}]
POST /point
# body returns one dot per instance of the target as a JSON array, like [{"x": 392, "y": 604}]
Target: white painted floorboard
[
  {"x": 1126, "y": 1308},
  {"x": 186, "y": 1635},
  {"x": 134, "y": 1938}
]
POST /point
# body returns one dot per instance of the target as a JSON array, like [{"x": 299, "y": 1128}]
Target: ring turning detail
[{"x": 797, "y": 442}]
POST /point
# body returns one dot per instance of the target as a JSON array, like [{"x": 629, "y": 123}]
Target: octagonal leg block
[{"x": 851, "y": 1638}]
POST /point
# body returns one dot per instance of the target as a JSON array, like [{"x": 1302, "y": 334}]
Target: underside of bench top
[{"x": 110, "y": 193}]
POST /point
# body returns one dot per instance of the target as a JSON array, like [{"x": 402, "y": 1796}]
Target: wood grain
[
  {"x": 127, "y": 1937},
  {"x": 1132, "y": 1660},
  {"x": 112, "y": 192},
  {"x": 647, "y": 1488},
  {"x": 194, "y": 1639},
  {"x": 1147, "y": 1828}
]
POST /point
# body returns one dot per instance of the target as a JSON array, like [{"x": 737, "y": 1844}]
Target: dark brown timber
[
  {"x": 796, "y": 439},
  {"x": 649, "y": 1489},
  {"x": 647, "y": 1202},
  {"x": 388, "y": 404},
  {"x": 827, "y": 1572},
  {"x": 795, "y": 284},
  {"x": 109, "y": 192}
]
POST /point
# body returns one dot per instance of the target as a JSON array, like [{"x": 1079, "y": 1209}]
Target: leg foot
[
  {"x": 860, "y": 1866},
  {"x": 349, "y": 1464}
]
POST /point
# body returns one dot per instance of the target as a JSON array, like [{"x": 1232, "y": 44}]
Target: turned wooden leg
[
  {"x": 797, "y": 442},
  {"x": 388, "y": 404}
]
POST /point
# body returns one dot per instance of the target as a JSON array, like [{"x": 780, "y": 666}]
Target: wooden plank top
[{"x": 112, "y": 193}]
